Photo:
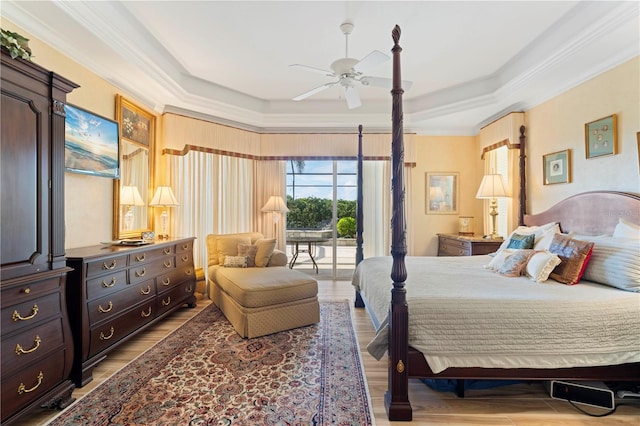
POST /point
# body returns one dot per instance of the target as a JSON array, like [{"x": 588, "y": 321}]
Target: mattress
[{"x": 463, "y": 315}]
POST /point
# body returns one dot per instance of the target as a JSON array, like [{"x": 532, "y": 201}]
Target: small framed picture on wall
[
  {"x": 600, "y": 137},
  {"x": 442, "y": 192},
  {"x": 557, "y": 167}
]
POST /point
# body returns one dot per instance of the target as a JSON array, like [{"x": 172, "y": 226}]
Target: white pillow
[
  {"x": 626, "y": 229},
  {"x": 235, "y": 262},
  {"x": 541, "y": 264},
  {"x": 528, "y": 230},
  {"x": 615, "y": 262},
  {"x": 499, "y": 259}
]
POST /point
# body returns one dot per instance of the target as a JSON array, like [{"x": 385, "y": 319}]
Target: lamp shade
[
  {"x": 163, "y": 197},
  {"x": 275, "y": 204},
  {"x": 129, "y": 196},
  {"x": 492, "y": 186}
]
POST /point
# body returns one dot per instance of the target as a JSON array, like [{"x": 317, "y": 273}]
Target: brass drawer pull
[
  {"x": 185, "y": 258},
  {"x": 113, "y": 265},
  {"x": 168, "y": 302},
  {"x": 168, "y": 264},
  {"x": 26, "y": 290},
  {"x": 188, "y": 289},
  {"x": 167, "y": 282},
  {"x": 188, "y": 272},
  {"x": 103, "y": 337},
  {"x": 36, "y": 341},
  {"x": 23, "y": 389},
  {"x": 147, "y": 291},
  {"x": 185, "y": 246},
  {"x": 141, "y": 274},
  {"x": 167, "y": 250},
  {"x": 146, "y": 314},
  {"x": 141, "y": 258},
  {"x": 16, "y": 316},
  {"x": 109, "y": 284},
  {"x": 103, "y": 310}
]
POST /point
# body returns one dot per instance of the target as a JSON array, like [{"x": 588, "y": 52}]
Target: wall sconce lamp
[
  {"x": 492, "y": 187},
  {"x": 276, "y": 206},
  {"x": 163, "y": 198},
  {"x": 130, "y": 196}
]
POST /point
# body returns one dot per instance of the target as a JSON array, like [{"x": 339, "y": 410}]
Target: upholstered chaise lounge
[{"x": 249, "y": 281}]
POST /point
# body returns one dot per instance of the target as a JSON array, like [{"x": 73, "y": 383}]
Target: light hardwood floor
[{"x": 522, "y": 404}]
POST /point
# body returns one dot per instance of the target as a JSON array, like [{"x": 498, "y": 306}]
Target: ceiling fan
[{"x": 350, "y": 71}]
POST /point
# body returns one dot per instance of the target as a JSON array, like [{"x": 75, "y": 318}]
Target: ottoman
[{"x": 260, "y": 301}]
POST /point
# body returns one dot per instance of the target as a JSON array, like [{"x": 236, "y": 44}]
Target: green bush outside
[{"x": 347, "y": 227}]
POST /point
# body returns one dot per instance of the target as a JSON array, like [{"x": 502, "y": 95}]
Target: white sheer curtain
[
  {"x": 270, "y": 179},
  {"x": 215, "y": 195},
  {"x": 376, "y": 225}
]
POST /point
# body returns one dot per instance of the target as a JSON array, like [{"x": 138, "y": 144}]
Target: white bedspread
[{"x": 462, "y": 315}]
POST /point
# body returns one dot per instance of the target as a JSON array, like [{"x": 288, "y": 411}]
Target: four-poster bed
[{"x": 589, "y": 214}]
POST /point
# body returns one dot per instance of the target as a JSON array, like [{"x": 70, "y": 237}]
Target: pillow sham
[
  {"x": 498, "y": 260},
  {"x": 574, "y": 256},
  {"x": 615, "y": 262},
  {"x": 228, "y": 246},
  {"x": 249, "y": 251},
  {"x": 541, "y": 264},
  {"x": 527, "y": 230},
  {"x": 235, "y": 262},
  {"x": 516, "y": 263},
  {"x": 518, "y": 241},
  {"x": 265, "y": 246},
  {"x": 626, "y": 229}
]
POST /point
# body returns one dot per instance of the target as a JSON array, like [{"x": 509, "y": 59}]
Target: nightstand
[{"x": 458, "y": 245}]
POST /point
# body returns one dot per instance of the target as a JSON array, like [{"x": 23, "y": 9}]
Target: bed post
[
  {"x": 396, "y": 398},
  {"x": 359, "y": 303},
  {"x": 523, "y": 183}
]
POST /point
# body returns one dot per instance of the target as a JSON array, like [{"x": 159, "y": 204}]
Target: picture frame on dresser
[
  {"x": 441, "y": 192},
  {"x": 601, "y": 137},
  {"x": 92, "y": 143},
  {"x": 557, "y": 167}
]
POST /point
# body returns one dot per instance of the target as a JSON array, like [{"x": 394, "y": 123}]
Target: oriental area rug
[{"x": 205, "y": 374}]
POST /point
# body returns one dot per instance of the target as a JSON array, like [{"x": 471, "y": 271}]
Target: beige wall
[{"x": 558, "y": 124}]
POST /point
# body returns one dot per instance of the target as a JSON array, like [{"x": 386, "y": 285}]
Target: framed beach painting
[
  {"x": 600, "y": 137},
  {"x": 442, "y": 192},
  {"x": 91, "y": 144},
  {"x": 557, "y": 167}
]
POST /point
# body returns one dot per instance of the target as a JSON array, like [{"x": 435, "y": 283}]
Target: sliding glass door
[{"x": 321, "y": 197}]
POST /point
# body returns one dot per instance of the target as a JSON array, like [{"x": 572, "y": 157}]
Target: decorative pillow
[
  {"x": 498, "y": 260},
  {"x": 615, "y": 262},
  {"x": 235, "y": 262},
  {"x": 574, "y": 255},
  {"x": 626, "y": 229},
  {"x": 518, "y": 241},
  {"x": 541, "y": 264},
  {"x": 515, "y": 263},
  {"x": 249, "y": 251},
  {"x": 544, "y": 242},
  {"x": 265, "y": 250},
  {"x": 527, "y": 230},
  {"x": 228, "y": 246}
]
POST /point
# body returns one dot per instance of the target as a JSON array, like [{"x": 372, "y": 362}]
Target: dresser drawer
[
  {"x": 21, "y": 349},
  {"x": 107, "y": 284},
  {"x": 451, "y": 247},
  {"x": 149, "y": 270},
  {"x": 30, "y": 313},
  {"x": 149, "y": 255},
  {"x": 29, "y": 291},
  {"x": 185, "y": 246},
  {"x": 116, "y": 303},
  {"x": 184, "y": 259},
  {"x": 102, "y": 266},
  {"x": 32, "y": 381},
  {"x": 108, "y": 333},
  {"x": 176, "y": 296},
  {"x": 166, "y": 281}
]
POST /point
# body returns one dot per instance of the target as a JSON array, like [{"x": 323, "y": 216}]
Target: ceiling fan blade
[
  {"x": 314, "y": 91},
  {"x": 385, "y": 83},
  {"x": 371, "y": 60},
  {"x": 312, "y": 69},
  {"x": 352, "y": 97}
]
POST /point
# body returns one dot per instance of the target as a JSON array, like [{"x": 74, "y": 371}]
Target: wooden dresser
[
  {"x": 457, "y": 245},
  {"x": 115, "y": 292},
  {"x": 37, "y": 348}
]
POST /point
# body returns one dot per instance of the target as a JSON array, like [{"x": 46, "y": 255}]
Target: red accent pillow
[{"x": 574, "y": 256}]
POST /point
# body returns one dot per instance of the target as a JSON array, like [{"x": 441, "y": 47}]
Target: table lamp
[
  {"x": 492, "y": 187},
  {"x": 130, "y": 196},
  {"x": 276, "y": 206},
  {"x": 163, "y": 198}
]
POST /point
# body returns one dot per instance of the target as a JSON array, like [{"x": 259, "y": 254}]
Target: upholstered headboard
[{"x": 591, "y": 213}]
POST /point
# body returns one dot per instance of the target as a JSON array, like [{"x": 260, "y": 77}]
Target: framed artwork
[
  {"x": 442, "y": 192},
  {"x": 91, "y": 144},
  {"x": 136, "y": 124},
  {"x": 600, "y": 137},
  {"x": 557, "y": 167}
]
